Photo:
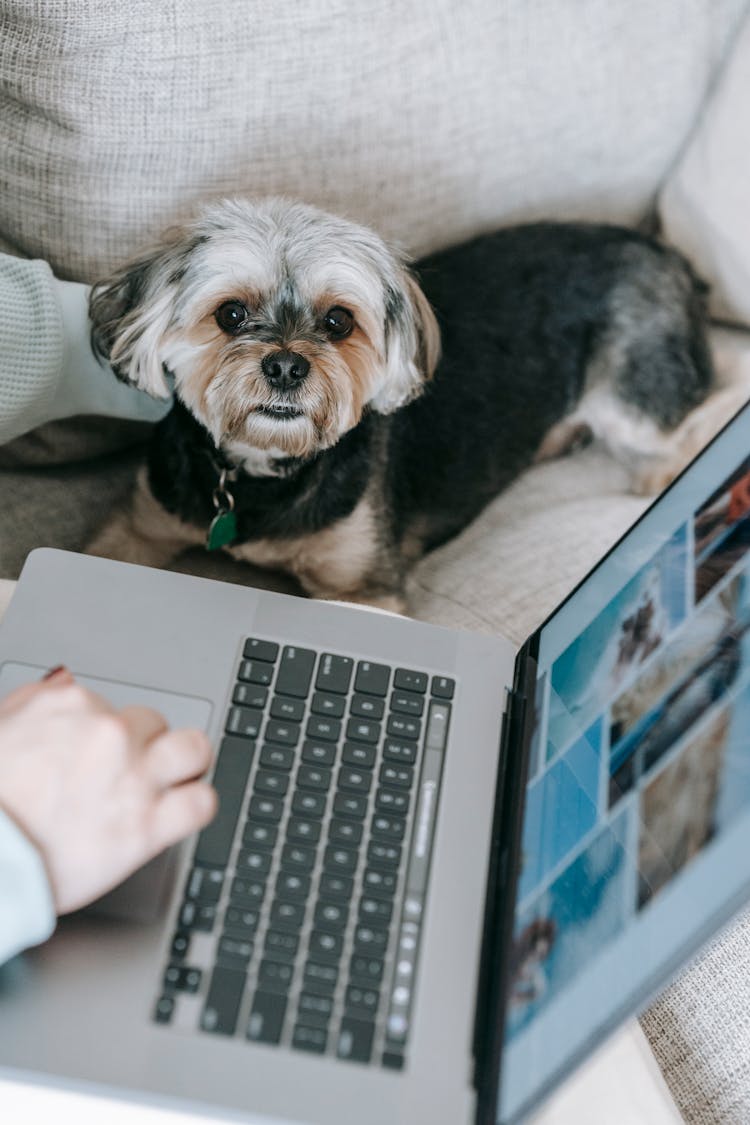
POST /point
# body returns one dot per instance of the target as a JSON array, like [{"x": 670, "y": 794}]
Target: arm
[
  {"x": 47, "y": 368},
  {"x": 27, "y": 914}
]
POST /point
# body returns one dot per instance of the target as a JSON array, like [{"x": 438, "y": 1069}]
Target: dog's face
[{"x": 279, "y": 323}]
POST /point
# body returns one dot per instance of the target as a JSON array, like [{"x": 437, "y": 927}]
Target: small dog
[{"x": 316, "y": 426}]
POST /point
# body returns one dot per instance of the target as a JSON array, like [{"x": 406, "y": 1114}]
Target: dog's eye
[
  {"x": 338, "y": 322},
  {"x": 230, "y": 316}
]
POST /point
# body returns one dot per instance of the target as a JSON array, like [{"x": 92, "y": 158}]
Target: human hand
[{"x": 97, "y": 791}]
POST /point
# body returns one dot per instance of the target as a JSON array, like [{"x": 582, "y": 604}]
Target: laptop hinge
[{"x": 501, "y": 886}]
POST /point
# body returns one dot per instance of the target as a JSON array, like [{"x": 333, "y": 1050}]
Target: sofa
[{"x": 431, "y": 121}]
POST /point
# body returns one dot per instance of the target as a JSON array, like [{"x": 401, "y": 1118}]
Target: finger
[
  {"x": 143, "y": 724},
  {"x": 61, "y": 678},
  {"x": 178, "y": 756},
  {"x": 180, "y": 811}
]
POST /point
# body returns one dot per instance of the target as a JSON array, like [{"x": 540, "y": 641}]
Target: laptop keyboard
[{"x": 301, "y": 917}]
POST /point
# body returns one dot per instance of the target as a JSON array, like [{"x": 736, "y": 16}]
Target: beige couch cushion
[
  {"x": 705, "y": 203},
  {"x": 432, "y": 120}
]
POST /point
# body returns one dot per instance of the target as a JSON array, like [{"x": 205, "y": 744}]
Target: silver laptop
[{"x": 442, "y": 869}]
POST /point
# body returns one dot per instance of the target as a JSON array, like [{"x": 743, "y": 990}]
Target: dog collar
[{"x": 222, "y": 531}]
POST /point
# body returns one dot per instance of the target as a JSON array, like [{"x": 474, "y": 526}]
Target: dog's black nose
[{"x": 284, "y": 369}]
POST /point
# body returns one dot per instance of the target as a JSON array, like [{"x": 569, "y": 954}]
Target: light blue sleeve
[
  {"x": 27, "y": 914},
  {"x": 47, "y": 368}
]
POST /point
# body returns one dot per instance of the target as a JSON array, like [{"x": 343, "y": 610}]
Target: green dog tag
[{"x": 222, "y": 532}]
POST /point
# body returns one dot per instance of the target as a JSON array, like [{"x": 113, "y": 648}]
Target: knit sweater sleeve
[{"x": 47, "y": 368}]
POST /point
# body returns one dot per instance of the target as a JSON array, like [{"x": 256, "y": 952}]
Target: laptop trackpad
[{"x": 140, "y": 897}]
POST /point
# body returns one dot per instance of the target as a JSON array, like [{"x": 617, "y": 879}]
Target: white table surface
[{"x": 620, "y": 1085}]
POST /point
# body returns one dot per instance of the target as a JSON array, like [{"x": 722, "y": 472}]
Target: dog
[{"x": 337, "y": 414}]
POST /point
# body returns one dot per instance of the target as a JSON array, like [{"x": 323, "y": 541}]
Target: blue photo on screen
[{"x": 606, "y": 655}]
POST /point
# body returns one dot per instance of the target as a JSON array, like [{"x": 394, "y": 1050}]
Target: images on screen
[{"x": 647, "y": 717}]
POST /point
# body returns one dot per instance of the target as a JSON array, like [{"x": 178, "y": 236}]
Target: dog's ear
[
  {"x": 130, "y": 315},
  {"x": 412, "y": 344}
]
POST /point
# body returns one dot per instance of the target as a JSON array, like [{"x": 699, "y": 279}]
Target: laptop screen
[{"x": 636, "y": 832}]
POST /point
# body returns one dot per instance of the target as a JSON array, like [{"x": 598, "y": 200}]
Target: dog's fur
[{"x": 550, "y": 334}]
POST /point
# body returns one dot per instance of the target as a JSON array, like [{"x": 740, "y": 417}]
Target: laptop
[{"x": 442, "y": 869}]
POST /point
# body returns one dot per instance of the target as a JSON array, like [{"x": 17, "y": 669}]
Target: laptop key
[
  {"x": 243, "y": 722},
  {"x": 331, "y": 915},
  {"x": 354, "y": 781},
  {"x": 400, "y": 750},
  {"x": 366, "y": 970},
  {"x": 271, "y": 781},
  {"x": 388, "y": 827},
  {"x": 288, "y": 915},
  {"x": 164, "y": 1008},
  {"x": 297, "y": 857},
  {"x": 180, "y": 945},
  {"x": 348, "y": 804},
  {"x": 404, "y": 727},
  {"x": 345, "y": 832},
  {"x": 320, "y": 978},
  {"x": 280, "y": 945},
  {"x": 392, "y": 801},
  {"x": 367, "y": 707},
  {"x": 266, "y": 1020},
  {"x": 250, "y": 695},
  {"x": 234, "y": 953},
  {"x": 340, "y": 859},
  {"x": 260, "y": 650},
  {"x": 295, "y": 671},
  {"x": 313, "y": 777},
  {"x": 241, "y": 923},
  {"x": 399, "y": 777},
  {"x": 359, "y": 754},
  {"x": 323, "y": 728},
  {"x": 382, "y": 854},
  {"x": 302, "y": 830},
  {"x": 442, "y": 687},
  {"x": 355, "y": 1040},
  {"x": 334, "y": 673},
  {"x": 259, "y": 834},
  {"x": 251, "y": 861},
  {"x": 193, "y": 916},
  {"x": 309, "y": 804},
  {"x": 310, "y": 1038},
  {"x": 287, "y": 733},
  {"x": 370, "y": 939},
  {"x": 247, "y": 892},
  {"x": 380, "y": 884},
  {"x": 330, "y": 705},
  {"x": 204, "y": 885},
  {"x": 372, "y": 679},
  {"x": 182, "y": 978},
  {"x": 266, "y": 808},
  {"x": 325, "y": 946},
  {"x": 223, "y": 1001},
  {"x": 319, "y": 754},
  {"x": 256, "y": 672},
  {"x": 275, "y": 976},
  {"x": 406, "y": 703},
  {"x": 282, "y": 707},
  {"x": 336, "y": 887},
  {"x": 277, "y": 757},
  {"x": 292, "y": 885},
  {"x": 229, "y": 780},
  {"x": 363, "y": 730},
  {"x": 375, "y": 910},
  {"x": 314, "y": 1010},
  {"x": 361, "y": 1001},
  {"x": 408, "y": 680}
]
